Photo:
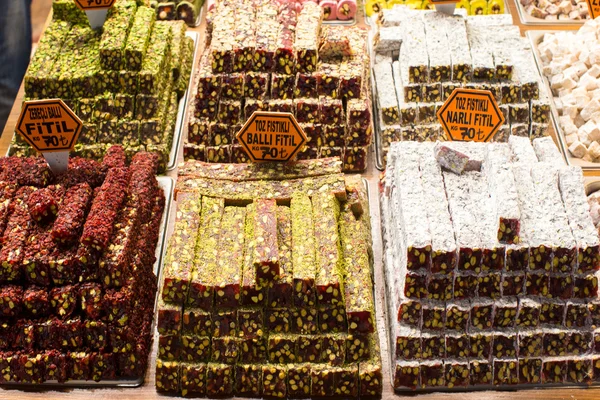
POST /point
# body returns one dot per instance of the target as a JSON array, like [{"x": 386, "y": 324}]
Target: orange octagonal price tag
[
  {"x": 271, "y": 136},
  {"x": 49, "y": 125},
  {"x": 470, "y": 115},
  {"x": 94, "y": 4},
  {"x": 593, "y": 8}
]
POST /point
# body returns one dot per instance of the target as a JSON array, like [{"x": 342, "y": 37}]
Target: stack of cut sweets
[
  {"x": 268, "y": 284},
  {"x": 492, "y": 273},
  {"x": 264, "y": 56},
  {"x": 123, "y": 82},
  {"x": 422, "y": 56},
  {"x": 571, "y": 63},
  {"x": 76, "y": 268},
  {"x": 185, "y": 10}
]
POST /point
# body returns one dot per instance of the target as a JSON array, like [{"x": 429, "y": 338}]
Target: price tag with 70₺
[
  {"x": 51, "y": 128},
  {"x": 96, "y": 10}
]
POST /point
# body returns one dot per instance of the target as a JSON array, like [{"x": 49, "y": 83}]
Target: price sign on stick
[
  {"x": 470, "y": 115},
  {"x": 51, "y": 128},
  {"x": 96, "y": 10},
  {"x": 271, "y": 136},
  {"x": 593, "y": 8}
]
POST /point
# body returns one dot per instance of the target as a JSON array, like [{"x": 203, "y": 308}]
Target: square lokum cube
[
  {"x": 552, "y": 312},
  {"x": 580, "y": 342},
  {"x": 560, "y": 286},
  {"x": 457, "y": 316},
  {"x": 407, "y": 375},
  {"x": 456, "y": 374},
  {"x": 274, "y": 380},
  {"x": 308, "y": 348},
  {"x": 555, "y": 342},
  {"x": 333, "y": 350},
  {"x": 307, "y": 110},
  {"x": 579, "y": 370},
  {"x": 220, "y": 379},
  {"x": 248, "y": 380},
  {"x": 224, "y": 323},
  {"x": 357, "y": 348},
  {"x": 193, "y": 379},
  {"x": 530, "y": 370},
  {"x": 432, "y": 374},
  {"x": 194, "y": 349},
  {"x": 481, "y": 345},
  {"x": 253, "y": 350},
  {"x": 434, "y": 346},
  {"x": 577, "y": 315},
  {"x": 504, "y": 345},
  {"x": 196, "y": 322},
  {"x": 506, "y": 372},
  {"x": 554, "y": 371},
  {"x": 282, "y": 349},
  {"x": 480, "y": 372},
  {"x": 322, "y": 377},
  {"x": 278, "y": 320},
  {"x": 439, "y": 287},
  {"x": 282, "y": 86},
  {"x": 530, "y": 343},
  {"x": 256, "y": 85},
  {"x": 505, "y": 313},
  {"x": 457, "y": 345},
  {"x": 219, "y": 134},
  {"x": 232, "y": 86},
  {"x": 482, "y": 314},
  {"x": 434, "y": 317},
  {"x": 299, "y": 380},
  {"x": 513, "y": 284},
  {"x": 585, "y": 287},
  {"x": 304, "y": 320}
]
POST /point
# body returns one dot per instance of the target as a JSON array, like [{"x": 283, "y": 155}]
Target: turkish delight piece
[
  {"x": 457, "y": 374},
  {"x": 407, "y": 375},
  {"x": 194, "y": 349},
  {"x": 434, "y": 346},
  {"x": 274, "y": 380},
  {"x": 192, "y": 379},
  {"x": 513, "y": 284},
  {"x": 577, "y": 315},
  {"x": 555, "y": 342},
  {"x": 552, "y": 312},
  {"x": 303, "y": 251},
  {"x": 252, "y": 350},
  {"x": 333, "y": 349},
  {"x": 457, "y": 345},
  {"x": 432, "y": 374},
  {"x": 282, "y": 349},
  {"x": 219, "y": 379},
  {"x": 167, "y": 376},
  {"x": 248, "y": 380},
  {"x": 528, "y": 313},
  {"x": 230, "y": 259},
  {"x": 278, "y": 320},
  {"x": 181, "y": 249},
  {"x": 506, "y": 372},
  {"x": 299, "y": 380},
  {"x": 306, "y": 43},
  {"x": 482, "y": 314},
  {"x": 201, "y": 291},
  {"x": 579, "y": 370},
  {"x": 505, "y": 313},
  {"x": 554, "y": 371},
  {"x": 580, "y": 342},
  {"x": 530, "y": 343},
  {"x": 224, "y": 323},
  {"x": 481, "y": 372},
  {"x": 304, "y": 320},
  {"x": 357, "y": 347},
  {"x": 196, "y": 322},
  {"x": 250, "y": 322},
  {"x": 308, "y": 348},
  {"x": 450, "y": 158}
]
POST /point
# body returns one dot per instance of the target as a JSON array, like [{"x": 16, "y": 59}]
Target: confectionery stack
[
  {"x": 557, "y": 10},
  {"x": 265, "y": 56},
  {"x": 471, "y": 7},
  {"x": 422, "y": 56},
  {"x": 268, "y": 284},
  {"x": 492, "y": 272},
  {"x": 571, "y": 63},
  {"x": 76, "y": 266},
  {"x": 185, "y": 10},
  {"x": 123, "y": 82}
]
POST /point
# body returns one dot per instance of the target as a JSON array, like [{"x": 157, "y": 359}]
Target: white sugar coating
[{"x": 546, "y": 150}]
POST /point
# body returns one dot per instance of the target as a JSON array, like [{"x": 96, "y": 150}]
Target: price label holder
[
  {"x": 51, "y": 128},
  {"x": 445, "y": 6},
  {"x": 593, "y": 8},
  {"x": 271, "y": 136},
  {"x": 96, "y": 10},
  {"x": 470, "y": 115}
]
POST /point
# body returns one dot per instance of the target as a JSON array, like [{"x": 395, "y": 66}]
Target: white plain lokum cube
[
  {"x": 578, "y": 149},
  {"x": 572, "y": 138},
  {"x": 594, "y": 150},
  {"x": 589, "y": 109}
]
